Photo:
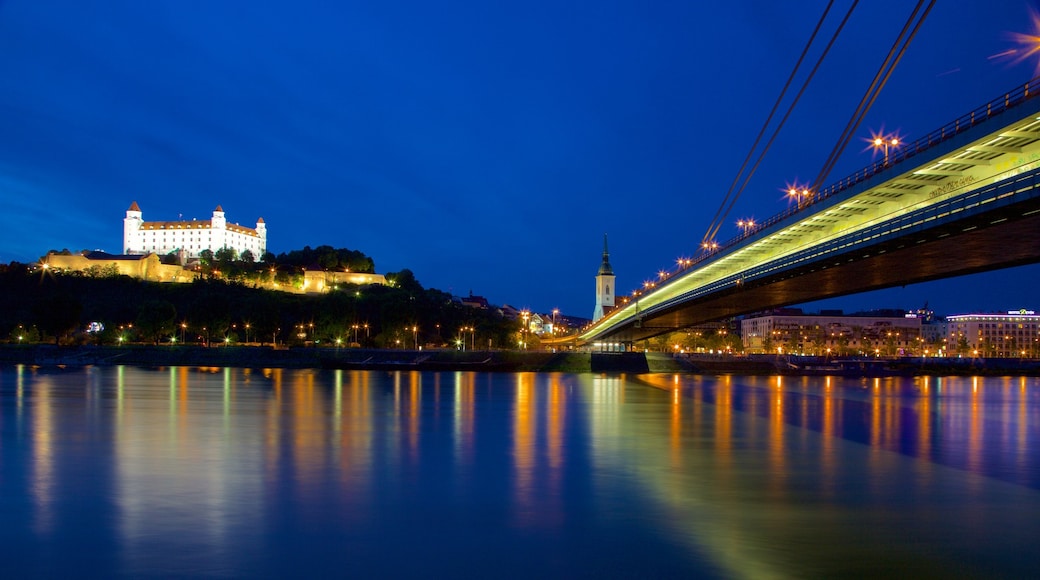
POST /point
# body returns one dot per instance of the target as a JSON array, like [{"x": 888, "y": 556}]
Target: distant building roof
[
  {"x": 475, "y": 301},
  {"x": 134, "y": 207}
]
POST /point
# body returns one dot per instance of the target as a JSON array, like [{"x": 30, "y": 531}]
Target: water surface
[{"x": 222, "y": 472}]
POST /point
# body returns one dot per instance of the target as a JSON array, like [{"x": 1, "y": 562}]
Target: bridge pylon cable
[
  {"x": 805, "y": 85},
  {"x": 720, "y": 213},
  {"x": 895, "y": 54}
]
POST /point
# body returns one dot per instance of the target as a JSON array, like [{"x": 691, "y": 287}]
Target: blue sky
[{"x": 485, "y": 146}]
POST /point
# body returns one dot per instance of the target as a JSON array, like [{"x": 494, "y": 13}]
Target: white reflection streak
[
  {"x": 43, "y": 457},
  {"x": 189, "y": 474},
  {"x": 337, "y": 408}
]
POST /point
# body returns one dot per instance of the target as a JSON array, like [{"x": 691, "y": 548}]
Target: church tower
[
  {"x": 604, "y": 285},
  {"x": 132, "y": 228}
]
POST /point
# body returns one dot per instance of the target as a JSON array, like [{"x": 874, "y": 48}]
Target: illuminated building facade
[
  {"x": 191, "y": 237},
  {"x": 791, "y": 332},
  {"x": 1015, "y": 333}
]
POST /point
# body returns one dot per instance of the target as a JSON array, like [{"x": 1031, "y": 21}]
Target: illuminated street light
[
  {"x": 746, "y": 225},
  {"x": 883, "y": 143},
  {"x": 800, "y": 196}
]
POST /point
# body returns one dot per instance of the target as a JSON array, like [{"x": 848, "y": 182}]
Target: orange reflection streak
[
  {"x": 828, "y": 463},
  {"x": 308, "y": 428},
  {"x": 414, "y": 408},
  {"x": 724, "y": 421},
  {"x": 698, "y": 406},
  {"x": 675, "y": 431},
  {"x": 557, "y": 410},
  {"x": 924, "y": 422},
  {"x": 776, "y": 437},
  {"x": 355, "y": 442},
  {"x": 524, "y": 443}
]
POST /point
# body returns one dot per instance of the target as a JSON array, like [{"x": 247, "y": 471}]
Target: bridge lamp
[{"x": 884, "y": 143}]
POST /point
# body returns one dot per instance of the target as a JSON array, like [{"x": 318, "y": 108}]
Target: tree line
[{"x": 42, "y": 305}]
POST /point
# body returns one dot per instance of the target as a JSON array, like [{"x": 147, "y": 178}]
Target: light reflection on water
[{"x": 234, "y": 472}]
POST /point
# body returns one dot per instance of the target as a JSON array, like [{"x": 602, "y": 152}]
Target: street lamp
[
  {"x": 800, "y": 196},
  {"x": 526, "y": 315},
  {"x": 415, "y": 336},
  {"x": 883, "y": 143},
  {"x": 746, "y": 225}
]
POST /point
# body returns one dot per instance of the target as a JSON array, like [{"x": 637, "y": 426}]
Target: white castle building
[{"x": 191, "y": 236}]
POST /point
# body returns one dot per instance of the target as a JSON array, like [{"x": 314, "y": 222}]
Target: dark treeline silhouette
[
  {"x": 328, "y": 258},
  {"x": 41, "y": 305}
]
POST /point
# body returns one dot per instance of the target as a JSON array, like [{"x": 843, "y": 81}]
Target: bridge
[{"x": 960, "y": 200}]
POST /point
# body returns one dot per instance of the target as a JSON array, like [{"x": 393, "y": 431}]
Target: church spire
[{"x": 604, "y": 268}]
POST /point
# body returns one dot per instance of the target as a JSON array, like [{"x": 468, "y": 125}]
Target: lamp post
[
  {"x": 800, "y": 196},
  {"x": 746, "y": 225},
  {"x": 883, "y": 143},
  {"x": 526, "y": 315}
]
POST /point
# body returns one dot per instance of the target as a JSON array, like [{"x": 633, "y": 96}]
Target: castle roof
[
  {"x": 260, "y": 221},
  {"x": 195, "y": 224},
  {"x": 134, "y": 207},
  {"x": 219, "y": 208}
]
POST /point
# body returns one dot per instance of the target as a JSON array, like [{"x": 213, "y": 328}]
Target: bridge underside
[{"x": 1010, "y": 237}]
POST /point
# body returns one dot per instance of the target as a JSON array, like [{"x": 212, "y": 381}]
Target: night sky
[{"x": 486, "y": 146}]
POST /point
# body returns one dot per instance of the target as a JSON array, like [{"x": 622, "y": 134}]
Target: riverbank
[{"x": 500, "y": 361}]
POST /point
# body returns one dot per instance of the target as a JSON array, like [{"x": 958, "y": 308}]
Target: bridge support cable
[
  {"x": 895, "y": 54},
  {"x": 718, "y": 224},
  {"x": 720, "y": 214}
]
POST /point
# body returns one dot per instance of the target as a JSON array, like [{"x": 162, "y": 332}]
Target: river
[{"x": 228, "y": 472}]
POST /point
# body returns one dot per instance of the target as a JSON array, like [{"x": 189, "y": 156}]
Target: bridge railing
[
  {"x": 979, "y": 115},
  {"x": 993, "y": 108}
]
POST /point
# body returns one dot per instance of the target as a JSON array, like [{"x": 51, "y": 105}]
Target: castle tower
[
  {"x": 218, "y": 229},
  {"x": 132, "y": 228},
  {"x": 604, "y": 285},
  {"x": 261, "y": 232}
]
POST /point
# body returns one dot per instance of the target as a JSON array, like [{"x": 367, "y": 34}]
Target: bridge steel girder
[{"x": 1001, "y": 233}]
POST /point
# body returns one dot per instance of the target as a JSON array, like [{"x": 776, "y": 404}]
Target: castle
[{"x": 190, "y": 238}]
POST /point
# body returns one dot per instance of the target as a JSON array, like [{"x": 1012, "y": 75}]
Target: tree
[
  {"x": 247, "y": 256},
  {"x": 156, "y": 318},
  {"x": 57, "y": 315},
  {"x": 206, "y": 257}
]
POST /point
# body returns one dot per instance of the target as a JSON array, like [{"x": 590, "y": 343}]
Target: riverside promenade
[{"x": 503, "y": 361}]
